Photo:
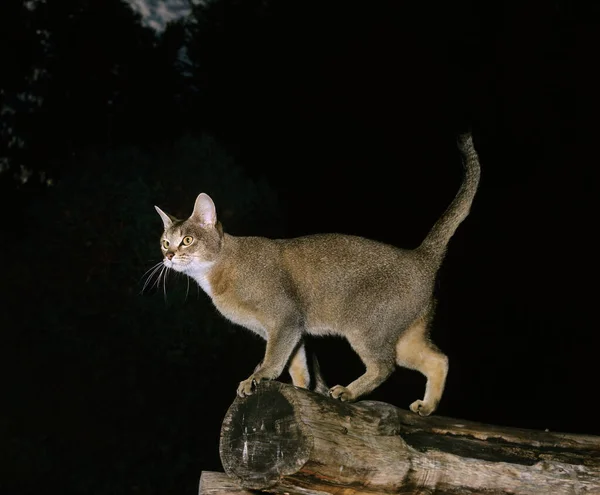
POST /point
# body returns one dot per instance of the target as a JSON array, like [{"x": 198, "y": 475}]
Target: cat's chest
[
  {"x": 239, "y": 314},
  {"x": 201, "y": 274}
]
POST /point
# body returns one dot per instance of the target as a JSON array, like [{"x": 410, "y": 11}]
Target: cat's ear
[
  {"x": 204, "y": 211},
  {"x": 166, "y": 218}
]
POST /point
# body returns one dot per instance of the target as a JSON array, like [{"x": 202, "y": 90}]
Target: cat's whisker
[
  {"x": 156, "y": 267},
  {"x": 156, "y": 282},
  {"x": 154, "y": 273},
  {"x": 187, "y": 290},
  {"x": 154, "y": 270},
  {"x": 158, "y": 279},
  {"x": 166, "y": 272},
  {"x": 151, "y": 268}
]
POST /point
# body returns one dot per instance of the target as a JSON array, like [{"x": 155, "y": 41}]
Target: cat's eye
[
  {"x": 187, "y": 240},
  {"x": 165, "y": 244}
]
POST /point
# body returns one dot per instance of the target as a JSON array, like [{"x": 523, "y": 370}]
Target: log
[
  {"x": 212, "y": 483},
  {"x": 284, "y": 439}
]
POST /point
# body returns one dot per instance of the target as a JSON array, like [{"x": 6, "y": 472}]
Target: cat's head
[{"x": 192, "y": 245}]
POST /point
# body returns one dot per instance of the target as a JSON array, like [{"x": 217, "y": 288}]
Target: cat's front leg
[{"x": 280, "y": 345}]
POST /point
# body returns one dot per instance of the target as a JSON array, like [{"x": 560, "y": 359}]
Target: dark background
[{"x": 297, "y": 118}]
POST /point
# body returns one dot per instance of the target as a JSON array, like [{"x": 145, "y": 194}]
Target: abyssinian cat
[{"x": 377, "y": 296}]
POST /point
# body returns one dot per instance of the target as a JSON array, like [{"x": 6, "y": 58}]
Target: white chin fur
[
  {"x": 198, "y": 271},
  {"x": 178, "y": 267}
]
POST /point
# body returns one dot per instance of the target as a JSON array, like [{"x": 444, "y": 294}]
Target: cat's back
[
  {"x": 345, "y": 255},
  {"x": 320, "y": 247}
]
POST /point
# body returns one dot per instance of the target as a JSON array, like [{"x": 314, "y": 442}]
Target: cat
[{"x": 379, "y": 297}]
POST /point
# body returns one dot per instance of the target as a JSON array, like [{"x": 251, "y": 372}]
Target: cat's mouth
[{"x": 176, "y": 264}]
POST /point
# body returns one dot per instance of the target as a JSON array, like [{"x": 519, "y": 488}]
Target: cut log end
[{"x": 262, "y": 440}]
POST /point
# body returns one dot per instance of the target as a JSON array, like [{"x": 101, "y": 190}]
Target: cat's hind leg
[
  {"x": 300, "y": 366},
  {"x": 415, "y": 351},
  {"x": 379, "y": 363}
]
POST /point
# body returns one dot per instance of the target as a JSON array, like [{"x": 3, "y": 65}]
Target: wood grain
[{"x": 283, "y": 439}]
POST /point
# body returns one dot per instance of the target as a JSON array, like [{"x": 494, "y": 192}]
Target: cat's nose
[{"x": 169, "y": 256}]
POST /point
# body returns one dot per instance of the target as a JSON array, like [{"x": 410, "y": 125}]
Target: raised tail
[{"x": 437, "y": 240}]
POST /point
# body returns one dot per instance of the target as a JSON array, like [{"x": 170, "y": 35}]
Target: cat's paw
[
  {"x": 341, "y": 393},
  {"x": 248, "y": 386},
  {"x": 422, "y": 408}
]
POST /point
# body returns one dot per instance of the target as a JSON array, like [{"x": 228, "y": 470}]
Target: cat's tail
[{"x": 437, "y": 240}]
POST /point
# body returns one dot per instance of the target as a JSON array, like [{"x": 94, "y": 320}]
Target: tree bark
[{"x": 286, "y": 439}]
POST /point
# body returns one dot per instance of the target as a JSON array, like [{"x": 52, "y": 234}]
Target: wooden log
[
  {"x": 286, "y": 439},
  {"x": 212, "y": 483}
]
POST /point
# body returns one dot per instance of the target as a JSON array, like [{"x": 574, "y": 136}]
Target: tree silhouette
[{"x": 90, "y": 75}]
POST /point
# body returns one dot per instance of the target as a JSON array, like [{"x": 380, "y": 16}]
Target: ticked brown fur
[{"x": 379, "y": 297}]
